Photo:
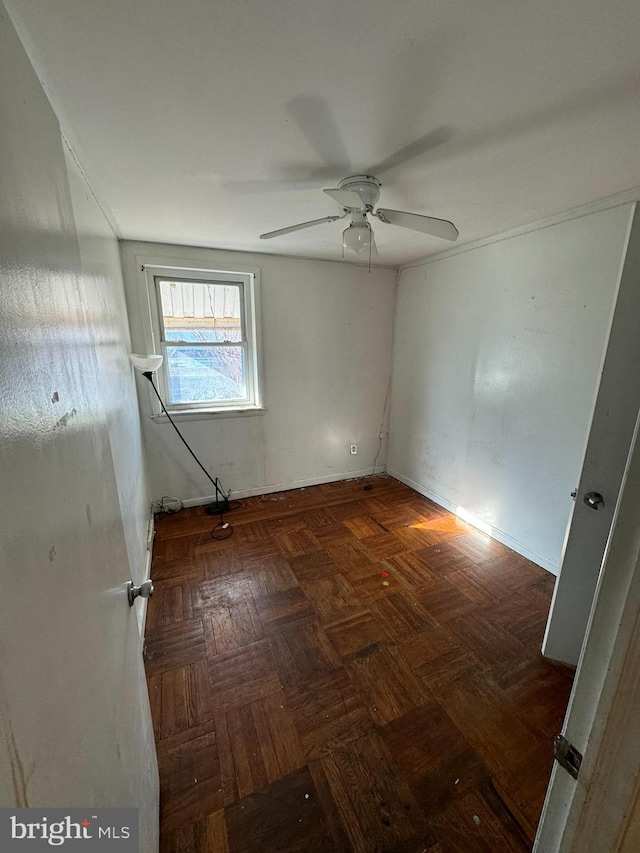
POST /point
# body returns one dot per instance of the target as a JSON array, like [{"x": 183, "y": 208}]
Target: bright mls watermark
[{"x": 102, "y": 830}]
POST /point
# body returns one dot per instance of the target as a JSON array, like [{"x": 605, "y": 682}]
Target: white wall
[
  {"x": 106, "y": 312},
  {"x": 496, "y": 363},
  {"x": 75, "y": 727},
  {"x": 326, "y": 334}
]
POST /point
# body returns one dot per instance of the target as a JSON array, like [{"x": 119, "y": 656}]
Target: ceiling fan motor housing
[{"x": 367, "y": 187}]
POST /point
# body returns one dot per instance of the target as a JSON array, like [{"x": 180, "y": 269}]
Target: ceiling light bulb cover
[
  {"x": 357, "y": 237},
  {"x": 146, "y": 363}
]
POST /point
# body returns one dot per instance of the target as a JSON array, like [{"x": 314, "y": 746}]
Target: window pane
[
  {"x": 208, "y": 335},
  {"x": 208, "y": 374},
  {"x": 201, "y": 311}
]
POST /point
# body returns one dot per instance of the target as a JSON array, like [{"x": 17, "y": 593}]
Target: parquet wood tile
[
  {"x": 333, "y": 599},
  {"x": 526, "y": 625},
  {"x": 230, "y": 627},
  {"x": 479, "y": 591},
  {"x": 340, "y": 842},
  {"x": 174, "y": 701},
  {"x": 242, "y": 676},
  {"x": 373, "y": 798},
  {"x": 155, "y": 614},
  {"x": 295, "y": 543},
  {"x": 284, "y": 816},
  {"x": 539, "y": 697},
  {"x": 173, "y": 608},
  {"x": 351, "y": 555},
  {"x": 454, "y": 667},
  {"x": 316, "y": 519},
  {"x": 488, "y": 640},
  {"x": 437, "y": 761},
  {"x": 309, "y": 567},
  {"x": 184, "y": 697},
  {"x": 443, "y": 600},
  {"x": 226, "y": 591},
  {"x": 364, "y": 526},
  {"x": 185, "y": 762},
  {"x": 349, "y": 510},
  {"x": 402, "y": 615},
  {"x": 374, "y": 585},
  {"x": 257, "y": 551},
  {"x": 328, "y": 713},
  {"x": 506, "y": 745},
  {"x": 182, "y": 547},
  {"x": 217, "y": 562},
  {"x": 333, "y": 534},
  {"x": 189, "y": 805},
  {"x": 191, "y": 601},
  {"x": 386, "y": 684},
  {"x": 384, "y": 544},
  {"x": 354, "y": 670},
  {"x": 422, "y": 535},
  {"x": 302, "y": 652},
  {"x": 208, "y": 835},
  {"x": 473, "y": 826},
  {"x": 268, "y": 576},
  {"x": 439, "y": 659},
  {"x": 281, "y": 609},
  {"x": 410, "y": 568},
  {"x": 444, "y": 558},
  {"x": 177, "y": 572},
  {"x": 393, "y": 514},
  {"x": 175, "y": 645},
  {"x": 262, "y": 744},
  {"x": 361, "y": 631},
  {"x": 479, "y": 547}
]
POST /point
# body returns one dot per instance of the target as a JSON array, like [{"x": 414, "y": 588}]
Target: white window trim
[{"x": 150, "y": 268}]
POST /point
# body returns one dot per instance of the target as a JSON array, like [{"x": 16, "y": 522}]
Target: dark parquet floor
[{"x": 354, "y": 670}]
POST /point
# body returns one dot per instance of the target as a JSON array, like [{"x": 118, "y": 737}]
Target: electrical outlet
[{"x": 353, "y": 449}]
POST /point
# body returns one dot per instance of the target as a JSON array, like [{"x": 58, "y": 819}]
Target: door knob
[
  {"x": 145, "y": 590},
  {"x": 594, "y": 500}
]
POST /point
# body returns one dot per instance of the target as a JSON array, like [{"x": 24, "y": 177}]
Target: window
[{"x": 206, "y": 329}]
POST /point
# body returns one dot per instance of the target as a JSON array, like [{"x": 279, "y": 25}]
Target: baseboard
[
  {"x": 536, "y": 557},
  {"x": 285, "y": 487}
]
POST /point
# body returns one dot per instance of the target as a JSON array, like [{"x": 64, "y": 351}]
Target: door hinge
[{"x": 567, "y": 755}]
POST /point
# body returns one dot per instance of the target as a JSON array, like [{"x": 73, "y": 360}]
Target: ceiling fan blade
[
  {"x": 414, "y": 149},
  {"x": 314, "y": 117},
  {"x": 299, "y": 227},
  {"x": 347, "y": 198},
  {"x": 426, "y": 224}
]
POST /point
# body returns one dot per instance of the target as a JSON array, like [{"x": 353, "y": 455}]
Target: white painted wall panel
[
  {"x": 496, "y": 364},
  {"x": 326, "y": 333},
  {"x": 75, "y": 727}
]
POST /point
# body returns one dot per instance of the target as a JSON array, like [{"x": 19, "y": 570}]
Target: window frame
[{"x": 248, "y": 280}]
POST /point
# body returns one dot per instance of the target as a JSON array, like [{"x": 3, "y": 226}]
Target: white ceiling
[{"x": 207, "y": 122}]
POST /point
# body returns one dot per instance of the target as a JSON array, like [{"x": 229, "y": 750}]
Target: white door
[
  {"x": 612, "y": 425},
  {"x": 600, "y": 811},
  {"x": 75, "y": 726}
]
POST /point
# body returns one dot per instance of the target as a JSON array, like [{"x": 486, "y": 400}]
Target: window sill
[{"x": 207, "y": 414}]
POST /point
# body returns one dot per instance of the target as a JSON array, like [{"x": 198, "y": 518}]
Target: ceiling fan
[{"x": 357, "y": 195}]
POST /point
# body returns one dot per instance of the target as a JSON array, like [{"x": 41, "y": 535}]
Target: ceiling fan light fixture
[
  {"x": 357, "y": 195},
  {"x": 357, "y": 237}
]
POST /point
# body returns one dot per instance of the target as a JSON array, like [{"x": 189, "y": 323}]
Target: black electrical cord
[
  {"x": 221, "y": 505},
  {"x": 225, "y": 530}
]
